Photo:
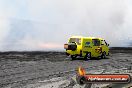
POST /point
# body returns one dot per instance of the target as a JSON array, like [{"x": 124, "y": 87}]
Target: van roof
[{"x": 86, "y": 37}]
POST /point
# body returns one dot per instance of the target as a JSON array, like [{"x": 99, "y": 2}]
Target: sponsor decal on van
[{"x": 87, "y": 44}]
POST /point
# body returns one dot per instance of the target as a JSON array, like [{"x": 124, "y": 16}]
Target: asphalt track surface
[{"x": 55, "y": 69}]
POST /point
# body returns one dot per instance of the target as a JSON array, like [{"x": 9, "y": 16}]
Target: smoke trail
[
  {"x": 47, "y": 24},
  {"x": 88, "y": 18}
]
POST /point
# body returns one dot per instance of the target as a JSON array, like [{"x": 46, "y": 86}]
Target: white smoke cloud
[
  {"x": 4, "y": 26},
  {"x": 46, "y": 24},
  {"x": 83, "y": 17}
]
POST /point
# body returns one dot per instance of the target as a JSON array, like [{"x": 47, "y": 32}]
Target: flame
[{"x": 81, "y": 71}]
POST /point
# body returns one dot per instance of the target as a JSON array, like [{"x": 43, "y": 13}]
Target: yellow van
[{"x": 86, "y": 47}]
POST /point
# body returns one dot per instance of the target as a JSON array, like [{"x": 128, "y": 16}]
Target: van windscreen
[
  {"x": 96, "y": 42},
  {"x": 77, "y": 40}
]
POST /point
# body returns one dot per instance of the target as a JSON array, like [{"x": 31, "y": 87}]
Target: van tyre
[
  {"x": 73, "y": 57},
  {"x": 88, "y": 56},
  {"x": 103, "y": 56}
]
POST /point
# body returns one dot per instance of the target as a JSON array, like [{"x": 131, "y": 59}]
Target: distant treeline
[
  {"x": 32, "y": 52},
  {"x": 112, "y": 49},
  {"x": 120, "y": 49}
]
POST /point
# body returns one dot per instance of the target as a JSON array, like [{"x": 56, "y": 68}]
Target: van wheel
[
  {"x": 73, "y": 57},
  {"x": 88, "y": 56},
  {"x": 103, "y": 56}
]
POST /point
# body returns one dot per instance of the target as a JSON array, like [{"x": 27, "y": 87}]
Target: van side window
[{"x": 96, "y": 42}]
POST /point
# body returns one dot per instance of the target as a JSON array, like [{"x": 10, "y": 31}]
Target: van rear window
[
  {"x": 77, "y": 40},
  {"x": 96, "y": 42}
]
